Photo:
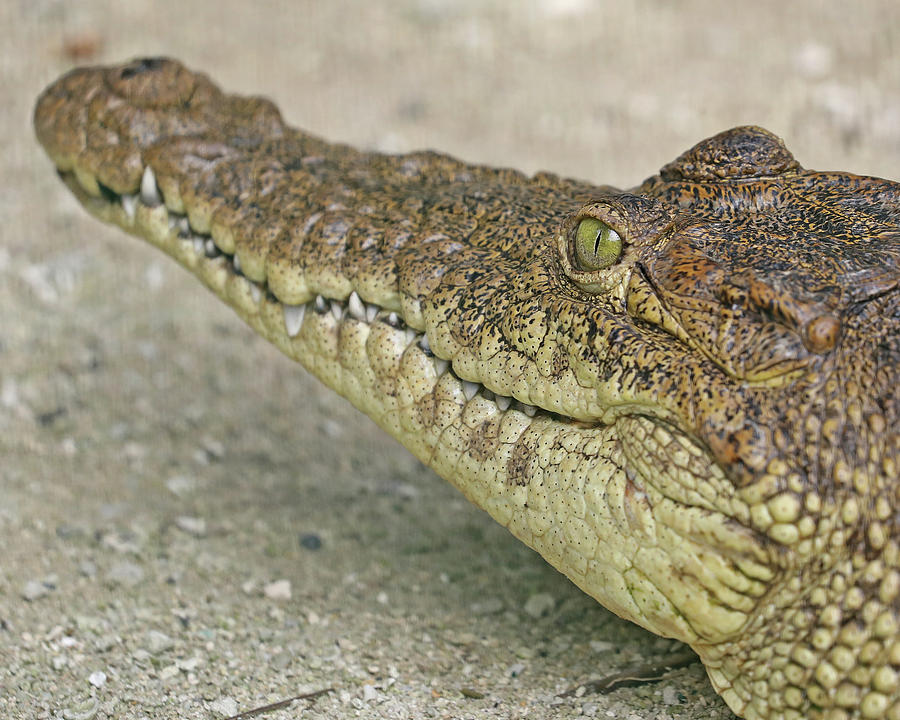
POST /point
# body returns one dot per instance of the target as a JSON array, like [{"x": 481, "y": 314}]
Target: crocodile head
[{"x": 684, "y": 395}]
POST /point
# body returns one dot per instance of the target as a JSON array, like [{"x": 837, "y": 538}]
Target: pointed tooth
[
  {"x": 440, "y": 366},
  {"x": 503, "y": 402},
  {"x": 424, "y": 344},
  {"x": 199, "y": 247},
  {"x": 321, "y": 305},
  {"x": 371, "y": 313},
  {"x": 529, "y": 410},
  {"x": 255, "y": 292},
  {"x": 356, "y": 307},
  {"x": 337, "y": 310},
  {"x": 236, "y": 262},
  {"x": 393, "y": 320},
  {"x": 293, "y": 318},
  {"x": 129, "y": 205},
  {"x": 184, "y": 228},
  {"x": 210, "y": 247},
  {"x": 469, "y": 389},
  {"x": 149, "y": 190}
]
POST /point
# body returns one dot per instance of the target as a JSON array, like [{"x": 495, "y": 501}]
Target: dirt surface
[{"x": 190, "y": 527}]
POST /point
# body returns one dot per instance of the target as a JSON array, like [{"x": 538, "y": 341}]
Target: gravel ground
[{"x": 190, "y": 527}]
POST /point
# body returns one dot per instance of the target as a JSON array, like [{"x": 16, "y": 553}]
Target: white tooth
[
  {"x": 337, "y": 310},
  {"x": 529, "y": 410},
  {"x": 129, "y": 205},
  {"x": 293, "y": 318},
  {"x": 424, "y": 344},
  {"x": 183, "y": 226},
  {"x": 198, "y": 245},
  {"x": 149, "y": 190},
  {"x": 469, "y": 389},
  {"x": 173, "y": 221},
  {"x": 255, "y": 292},
  {"x": 321, "y": 305},
  {"x": 356, "y": 307},
  {"x": 440, "y": 366},
  {"x": 411, "y": 336},
  {"x": 503, "y": 402},
  {"x": 236, "y": 261},
  {"x": 393, "y": 320},
  {"x": 210, "y": 247},
  {"x": 371, "y": 313}
]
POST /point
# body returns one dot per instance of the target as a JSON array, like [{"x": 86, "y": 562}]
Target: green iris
[{"x": 597, "y": 245}]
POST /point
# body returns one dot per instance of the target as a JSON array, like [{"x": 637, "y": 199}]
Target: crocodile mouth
[{"x": 199, "y": 252}]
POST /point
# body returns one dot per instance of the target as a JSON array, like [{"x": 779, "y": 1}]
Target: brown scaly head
[{"x": 684, "y": 396}]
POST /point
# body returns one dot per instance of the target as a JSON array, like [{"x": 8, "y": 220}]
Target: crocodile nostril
[
  {"x": 154, "y": 82},
  {"x": 141, "y": 66}
]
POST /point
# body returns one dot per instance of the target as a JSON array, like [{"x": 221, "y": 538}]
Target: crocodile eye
[{"x": 597, "y": 245}]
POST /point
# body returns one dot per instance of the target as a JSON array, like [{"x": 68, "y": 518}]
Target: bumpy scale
[{"x": 684, "y": 396}]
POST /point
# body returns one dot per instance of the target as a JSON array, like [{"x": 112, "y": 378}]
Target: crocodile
[{"x": 683, "y": 395}]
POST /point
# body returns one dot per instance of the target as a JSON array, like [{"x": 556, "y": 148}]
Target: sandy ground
[{"x": 189, "y": 526}]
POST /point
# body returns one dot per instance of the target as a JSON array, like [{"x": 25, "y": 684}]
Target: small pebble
[
  {"x": 191, "y": 664},
  {"x": 84, "y": 710},
  {"x": 278, "y": 590},
  {"x": 602, "y": 646},
  {"x": 224, "y": 707},
  {"x": 67, "y": 532},
  {"x": 539, "y": 605},
  {"x": 331, "y": 428},
  {"x": 126, "y": 574},
  {"x": 195, "y": 526},
  {"x": 370, "y": 694},
  {"x": 281, "y": 661},
  {"x": 310, "y": 541},
  {"x": 156, "y": 642},
  {"x": 90, "y": 623},
  {"x": 34, "y": 590},
  {"x": 459, "y": 639},
  {"x": 670, "y": 695},
  {"x": 181, "y": 485},
  {"x": 213, "y": 448},
  {"x": 169, "y": 672},
  {"x": 491, "y": 606},
  {"x": 105, "y": 643},
  {"x": 97, "y": 679}
]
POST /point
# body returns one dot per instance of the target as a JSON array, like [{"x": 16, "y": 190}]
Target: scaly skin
[{"x": 701, "y": 432}]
